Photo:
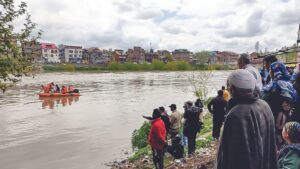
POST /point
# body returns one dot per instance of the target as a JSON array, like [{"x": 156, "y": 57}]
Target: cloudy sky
[{"x": 168, "y": 24}]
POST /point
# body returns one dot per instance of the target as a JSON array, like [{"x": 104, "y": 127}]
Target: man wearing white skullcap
[{"x": 248, "y": 139}]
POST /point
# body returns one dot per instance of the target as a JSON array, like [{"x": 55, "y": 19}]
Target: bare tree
[{"x": 198, "y": 81}]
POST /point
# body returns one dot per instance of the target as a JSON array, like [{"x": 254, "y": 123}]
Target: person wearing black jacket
[
  {"x": 191, "y": 126},
  {"x": 217, "y": 106},
  {"x": 165, "y": 118},
  {"x": 248, "y": 139}
]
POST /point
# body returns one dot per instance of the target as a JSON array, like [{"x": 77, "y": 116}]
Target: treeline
[{"x": 156, "y": 65}]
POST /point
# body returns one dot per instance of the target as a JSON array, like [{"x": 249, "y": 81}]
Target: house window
[
  {"x": 70, "y": 51},
  {"x": 70, "y": 56},
  {"x": 51, "y": 55},
  {"x": 45, "y": 50},
  {"x": 46, "y": 55}
]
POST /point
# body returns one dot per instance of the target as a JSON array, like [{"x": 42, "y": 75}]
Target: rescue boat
[{"x": 58, "y": 94}]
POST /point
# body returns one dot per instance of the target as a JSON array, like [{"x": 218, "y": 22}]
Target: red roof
[{"x": 48, "y": 46}]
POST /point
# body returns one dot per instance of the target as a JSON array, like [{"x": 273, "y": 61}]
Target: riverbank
[
  {"x": 204, "y": 155},
  {"x": 155, "y": 66}
]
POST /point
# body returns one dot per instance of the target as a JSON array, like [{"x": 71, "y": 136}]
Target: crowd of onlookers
[{"x": 259, "y": 112}]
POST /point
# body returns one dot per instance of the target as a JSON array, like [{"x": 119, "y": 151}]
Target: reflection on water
[
  {"x": 49, "y": 133},
  {"x": 52, "y": 102}
]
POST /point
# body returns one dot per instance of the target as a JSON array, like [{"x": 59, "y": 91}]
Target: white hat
[{"x": 242, "y": 79}]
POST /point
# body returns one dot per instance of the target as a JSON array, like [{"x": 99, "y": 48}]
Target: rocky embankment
[{"x": 204, "y": 158}]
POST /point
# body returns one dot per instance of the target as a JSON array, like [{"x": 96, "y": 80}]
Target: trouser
[
  {"x": 158, "y": 158},
  {"x": 192, "y": 142},
  {"x": 216, "y": 129}
]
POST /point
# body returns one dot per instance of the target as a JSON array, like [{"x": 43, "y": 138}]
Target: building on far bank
[
  {"x": 118, "y": 56},
  {"x": 94, "y": 55},
  {"x": 32, "y": 50},
  {"x": 136, "y": 55},
  {"x": 255, "y": 59},
  {"x": 182, "y": 54},
  {"x": 50, "y": 53},
  {"x": 70, "y": 54},
  {"x": 151, "y": 55},
  {"x": 227, "y": 57},
  {"x": 212, "y": 57}
]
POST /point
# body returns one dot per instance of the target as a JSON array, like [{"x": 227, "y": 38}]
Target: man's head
[
  {"x": 188, "y": 105},
  {"x": 162, "y": 109},
  {"x": 223, "y": 87},
  {"x": 156, "y": 114},
  {"x": 220, "y": 93},
  {"x": 269, "y": 60},
  {"x": 243, "y": 60},
  {"x": 172, "y": 107},
  {"x": 241, "y": 83}
]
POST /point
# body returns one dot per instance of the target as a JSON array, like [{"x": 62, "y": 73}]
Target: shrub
[
  {"x": 68, "y": 67},
  {"x": 139, "y": 137},
  {"x": 171, "y": 66},
  {"x": 113, "y": 66},
  {"x": 158, "y": 65},
  {"x": 182, "y": 65}
]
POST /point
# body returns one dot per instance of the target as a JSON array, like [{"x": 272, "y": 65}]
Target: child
[{"x": 289, "y": 156}]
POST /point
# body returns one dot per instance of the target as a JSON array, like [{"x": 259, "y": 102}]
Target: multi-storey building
[
  {"x": 32, "y": 50},
  {"x": 50, "y": 53},
  {"x": 119, "y": 56},
  {"x": 137, "y": 55},
  {"x": 227, "y": 57},
  {"x": 182, "y": 54},
  {"x": 70, "y": 54}
]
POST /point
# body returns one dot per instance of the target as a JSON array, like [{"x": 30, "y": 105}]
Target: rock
[
  {"x": 145, "y": 160},
  {"x": 177, "y": 161}
]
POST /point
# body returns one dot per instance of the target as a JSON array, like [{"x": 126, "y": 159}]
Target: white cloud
[{"x": 168, "y": 24}]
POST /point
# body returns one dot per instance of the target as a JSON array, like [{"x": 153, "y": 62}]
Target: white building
[
  {"x": 50, "y": 53},
  {"x": 70, "y": 54}
]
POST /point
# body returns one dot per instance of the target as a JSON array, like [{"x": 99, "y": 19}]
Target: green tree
[
  {"x": 169, "y": 57},
  {"x": 13, "y": 62},
  {"x": 202, "y": 57}
]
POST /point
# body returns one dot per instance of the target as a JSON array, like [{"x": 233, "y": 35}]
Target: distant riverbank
[{"x": 155, "y": 66}]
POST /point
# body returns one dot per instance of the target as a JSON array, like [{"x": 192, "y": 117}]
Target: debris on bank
[{"x": 204, "y": 158}]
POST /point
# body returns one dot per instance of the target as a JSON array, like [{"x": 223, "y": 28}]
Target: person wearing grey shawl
[{"x": 248, "y": 138}]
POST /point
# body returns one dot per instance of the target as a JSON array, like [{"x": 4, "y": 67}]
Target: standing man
[
  {"x": 157, "y": 139},
  {"x": 191, "y": 125},
  {"x": 248, "y": 140},
  {"x": 165, "y": 118},
  {"x": 174, "y": 120},
  {"x": 217, "y": 106},
  {"x": 267, "y": 64},
  {"x": 244, "y": 63}
]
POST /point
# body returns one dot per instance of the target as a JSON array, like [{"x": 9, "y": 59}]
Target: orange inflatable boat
[{"x": 58, "y": 94}]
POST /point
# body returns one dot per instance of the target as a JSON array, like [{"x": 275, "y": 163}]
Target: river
[{"x": 87, "y": 131}]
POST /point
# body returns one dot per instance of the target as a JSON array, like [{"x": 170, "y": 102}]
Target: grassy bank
[
  {"x": 154, "y": 66},
  {"x": 139, "y": 142}
]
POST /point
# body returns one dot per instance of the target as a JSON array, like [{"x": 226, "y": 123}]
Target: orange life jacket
[
  {"x": 71, "y": 89},
  {"x": 64, "y": 90}
]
